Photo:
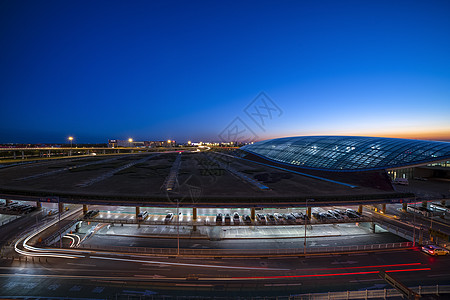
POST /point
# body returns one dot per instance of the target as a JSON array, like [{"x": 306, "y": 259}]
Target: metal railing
[
  {"x": 437, "y": 290},
  {"x": 59, "y": 233},
  {"x": 248, "y": 252},
  {"x": 10, "y": 220}
]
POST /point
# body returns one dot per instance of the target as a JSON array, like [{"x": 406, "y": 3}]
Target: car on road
[
  {"x": 435, "y": 250},
  {"x": 168, "y": 217}
]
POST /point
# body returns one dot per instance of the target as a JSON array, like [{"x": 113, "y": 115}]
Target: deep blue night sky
[{"x": 157, "y": 70}]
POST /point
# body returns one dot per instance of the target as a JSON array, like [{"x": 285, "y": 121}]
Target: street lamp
[
  {"x": 306, "y": 223},
  {"x": 70, "y": 139},
  {"x": 130, "y": 140}
]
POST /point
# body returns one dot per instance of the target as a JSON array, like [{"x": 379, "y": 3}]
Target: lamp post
[
  {"x": 70, "y": 139},
  {"x": 130, "y": 140},
  {"x": 178, "y": 229},
  {"x": 306, "y": 223}
]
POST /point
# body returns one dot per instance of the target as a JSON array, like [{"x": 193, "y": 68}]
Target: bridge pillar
[
  {"x": 404, "y": 206},
  {"x": 194, "y": 218},
  {"x": 424, "y": 204},
  {"x": 38, "y": 204},
  {"x": 138, "y": 211},
  {"x": 88, "y": 152},
  {"x": 104, "y": 151},
  {"x": 8, "y": 202},
  {"x": 85, "y": 209},
  {"x": 23, "y": 155},
  {"x": 372, "y": 227},
  {"x": 60, "y": 207},
  {"x": 194, "y": 213},
  {"x": 14, "y": 153},
  {"x": 252, "y": 213},
  {"x": 383, "y": 208},
  {"x": 308, "y": 212},
  {"x": 360, "y": 209}
]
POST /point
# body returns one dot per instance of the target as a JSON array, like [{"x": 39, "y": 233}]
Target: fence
[
  {"x": 370, "y": 294},
  {"x": 10, "y": 220},
  {"x": 249, "y": 252}
]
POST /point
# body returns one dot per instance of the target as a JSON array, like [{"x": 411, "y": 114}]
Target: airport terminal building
[{"x": 345, "y": 156}]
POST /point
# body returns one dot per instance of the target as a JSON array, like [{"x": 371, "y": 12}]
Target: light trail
[
  {"x": 189, "y": 265},
  {"x": 333, "y": 274},
  {"x": 72, "y": 239}
]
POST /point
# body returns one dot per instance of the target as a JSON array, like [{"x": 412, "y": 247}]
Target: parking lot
[
  {"x": 223, "y": 216},
  {"x": 15, "y": 207}
]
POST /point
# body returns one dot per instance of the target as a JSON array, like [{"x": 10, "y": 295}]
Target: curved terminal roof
[{"x": 349, "y": 153}]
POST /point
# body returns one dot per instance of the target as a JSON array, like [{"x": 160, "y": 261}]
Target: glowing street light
[
  {"x": 70, "y": 139},
  {"x": 130, "y": 140}
]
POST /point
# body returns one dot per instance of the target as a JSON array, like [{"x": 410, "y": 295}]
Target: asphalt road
[
  {"x": 101, "y": 278},
  {"x": 105, "y": 241}
]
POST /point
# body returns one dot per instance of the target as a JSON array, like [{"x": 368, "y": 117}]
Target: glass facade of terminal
[{"x": 349, "y": 153}]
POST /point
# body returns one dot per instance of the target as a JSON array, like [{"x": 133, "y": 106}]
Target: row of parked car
[
  {"x": 294, "y": 217},
  {"x": 91, "y": 214},
  {"x": 337, "y": 215},
  {"x": 15, "y": 207},
  {"x": 143, "y": 215}
]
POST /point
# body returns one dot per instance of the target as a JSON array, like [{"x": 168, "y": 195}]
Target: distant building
[{"x": 147, "y": 144}]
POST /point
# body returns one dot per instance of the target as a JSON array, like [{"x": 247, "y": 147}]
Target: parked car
[
  {"x": 335, "y": 214},
  {"x": 289, "y": 218},
  {"x": 227, "y": 218},
  {"x": 435, "y": 250},
  {"x": 247, "y": 219},
  {"x": 270, "y": 218},
  {"x": 236, "y": 217},
  {"x": 261, "y": 218},
  {"x": 278, "y": 216},
  {"x": 91, "y": 214},
  {"x": 142, "y": 216},
  {"x": 168, "y": 217},
  {"x": 219, "y": 218},
  {"x": 401, "y": 181}
]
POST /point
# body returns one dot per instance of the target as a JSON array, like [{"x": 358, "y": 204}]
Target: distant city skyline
[{"x": 193, "y": 70}]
